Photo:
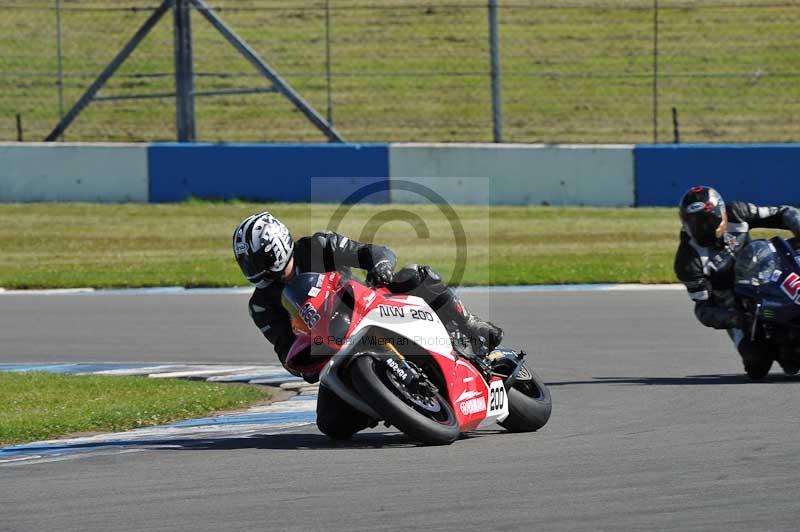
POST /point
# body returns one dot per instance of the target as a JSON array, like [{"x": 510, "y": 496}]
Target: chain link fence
[{"x": 578, "y": 71}]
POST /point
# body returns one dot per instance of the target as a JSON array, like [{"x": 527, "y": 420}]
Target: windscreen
[
  {"x": 303, "y": 287},
  {"x": 756, "y": 263}
]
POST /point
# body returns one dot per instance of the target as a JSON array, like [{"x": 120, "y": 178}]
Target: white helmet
[{"x": 263, "y": 247}]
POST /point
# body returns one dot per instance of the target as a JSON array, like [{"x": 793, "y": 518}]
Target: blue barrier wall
[
  {"x": 765, "y": 174},
  {"x": 267, "y": 172},
  {"x": 513, "y": 174}
]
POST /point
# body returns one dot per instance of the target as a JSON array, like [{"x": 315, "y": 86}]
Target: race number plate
[{"x": 498, "y": 400}]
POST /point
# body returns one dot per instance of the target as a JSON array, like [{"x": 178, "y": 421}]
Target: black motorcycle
[{"x": 768, "y": 289}]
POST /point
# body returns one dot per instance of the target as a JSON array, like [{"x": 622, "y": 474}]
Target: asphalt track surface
[{"x": 653, "y": 428}]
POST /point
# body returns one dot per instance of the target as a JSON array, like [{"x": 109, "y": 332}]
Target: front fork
[{"x": 753, "y": 326}]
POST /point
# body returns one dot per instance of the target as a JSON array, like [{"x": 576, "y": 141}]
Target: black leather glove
[
  {"x": 742, "y": 320},
  {"x": 381, "y": 274}
]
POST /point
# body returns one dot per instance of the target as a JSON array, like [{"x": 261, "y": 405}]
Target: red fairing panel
[
  {"x": 469, "y": 394},
  {"x": 299, "y": 363}
]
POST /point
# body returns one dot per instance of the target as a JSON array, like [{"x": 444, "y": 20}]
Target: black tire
[
  {"x": 790, "y": 368},
  {"x": 789, "y": 361},
  {"x": 337, "y": 419},
  {"x": 371, "y": 380},
  {"x": 758, "y": 369},
  {"x": 529, "y": 403}
]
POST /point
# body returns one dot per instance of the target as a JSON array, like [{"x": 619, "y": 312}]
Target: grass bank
[
  {"x": 107, "y": 246},
  {"x": 71, "y": 245},
  {"x": 36, "y": 406}
]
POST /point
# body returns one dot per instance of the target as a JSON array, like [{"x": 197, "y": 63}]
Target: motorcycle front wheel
[{"x": 427, "y": 418}]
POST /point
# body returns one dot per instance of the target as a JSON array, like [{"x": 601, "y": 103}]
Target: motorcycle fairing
[
  {"x": 380, "y": 313},
  {"x": 397, "y": 315}
]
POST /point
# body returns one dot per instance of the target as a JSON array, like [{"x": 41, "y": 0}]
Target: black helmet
[
  {"x": 263, "y": 247},
  {"x": 703, "y": 214}
]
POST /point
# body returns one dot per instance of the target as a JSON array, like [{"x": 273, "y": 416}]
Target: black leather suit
[{"x": 708, "y": 272}]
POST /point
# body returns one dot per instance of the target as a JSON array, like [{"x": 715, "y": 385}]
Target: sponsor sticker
[
  {"x": 697, "y": 206},
  {"x": 310, "y": 315},
  {"x": 400, "y": 372},
  {"x": 776, "y": 275},
  {"x": 369, "y": 299},
  {"x": 421, "y": 315},
  {"x": 388, "y": 311},
  {"x": 791, "y": 286},
  {"x": 313, "y": 292},
  {"x": 473, "y": 406}
]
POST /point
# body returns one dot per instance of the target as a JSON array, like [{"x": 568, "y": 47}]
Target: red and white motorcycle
[{"x": 390, "y": 357}]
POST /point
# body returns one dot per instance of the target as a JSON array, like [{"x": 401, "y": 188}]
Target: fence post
[
  {"x": 494, "y": 52},
  {"x": 675, "y": 131},
  {"x": 60, "y": 73},
  {"x": 329, "y": 114},
  {"x": 184, "y": 72},
  {"x": 655, "y": 71}
]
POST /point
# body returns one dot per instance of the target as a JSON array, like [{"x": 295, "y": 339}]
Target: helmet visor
[{"x": 703, "y": 227}]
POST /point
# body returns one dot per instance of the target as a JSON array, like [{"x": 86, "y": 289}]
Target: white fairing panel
[
  {"x": 412, "y": 318},
  {"x": 498, "y": 401}
]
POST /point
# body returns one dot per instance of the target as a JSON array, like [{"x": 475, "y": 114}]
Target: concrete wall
[
  {"x": 73, "y": 172},
  {"x": 516, "y": 174},
  {"x": 603, "y": 175}
]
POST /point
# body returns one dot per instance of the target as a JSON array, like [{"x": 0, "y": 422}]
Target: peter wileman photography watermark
[{"x": 372, "y": 341}]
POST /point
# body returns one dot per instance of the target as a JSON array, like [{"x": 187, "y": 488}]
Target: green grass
[
  {"x": 38, "y": 405},
  {"x": 132, "y": 245},
  {"x": 69, "y": 245},
  {"x": 578, "y": 71}
]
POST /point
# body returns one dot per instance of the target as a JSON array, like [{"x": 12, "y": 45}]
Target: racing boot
[{"x": 482, "y": 335}]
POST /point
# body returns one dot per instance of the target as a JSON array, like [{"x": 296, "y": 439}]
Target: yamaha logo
[{"x": 473, "y": 406}]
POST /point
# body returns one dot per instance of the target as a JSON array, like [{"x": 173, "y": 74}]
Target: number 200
[{"x": 497, "y": 398}]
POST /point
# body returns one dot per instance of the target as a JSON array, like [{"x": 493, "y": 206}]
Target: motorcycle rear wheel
[
  {"x": 529, "y": 403},
  {"x": 371, "y": 378},
  {"x": 758, "y": 369}
]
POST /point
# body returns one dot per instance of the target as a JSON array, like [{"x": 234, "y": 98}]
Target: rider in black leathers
[
  {"x": 269, "y": 258},
  {"x": 712, "y": 234}
]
